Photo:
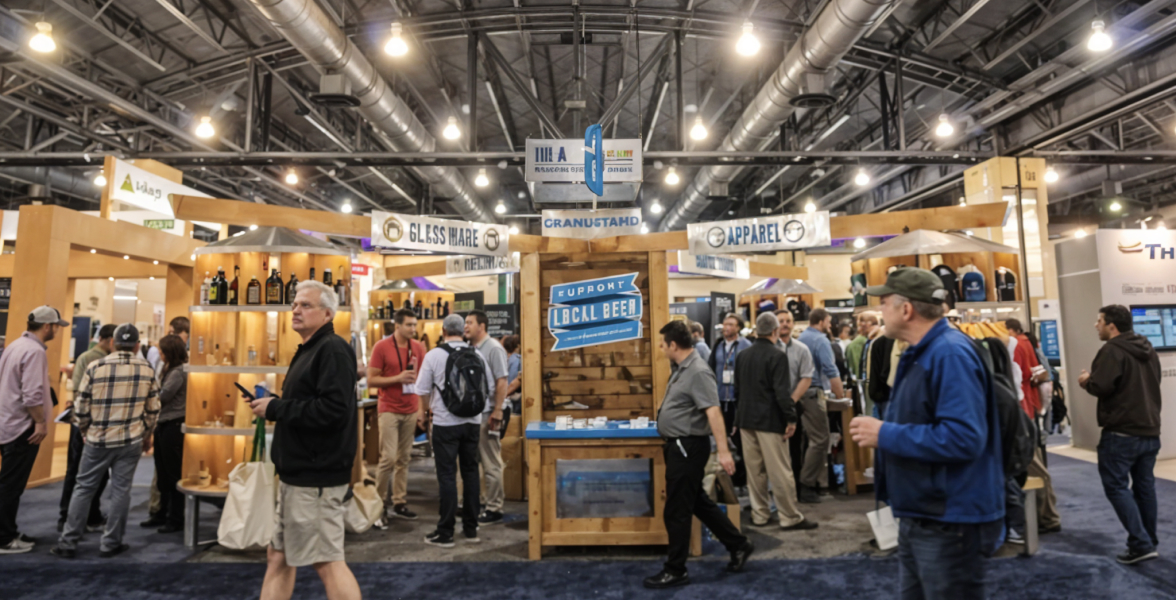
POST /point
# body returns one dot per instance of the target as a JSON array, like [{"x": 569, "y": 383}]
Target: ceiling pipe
[
  {"x": 835, "y": 31},
  {"x": 65, "y": 181},
  {"x": 313, "y": 33}
]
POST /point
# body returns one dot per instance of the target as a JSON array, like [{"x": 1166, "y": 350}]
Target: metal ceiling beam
[
  {"x": 629, "y": 89},
  {"x": 190, "y": 24},
  {"x": 1048, "y": 25},
  {"x": 114, "y": 37},
  {"x": 976, "y": 7},
  {"x": 521, "y": 87}
]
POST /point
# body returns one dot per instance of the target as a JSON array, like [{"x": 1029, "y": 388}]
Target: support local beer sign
[{"x": 595, "y": 311}]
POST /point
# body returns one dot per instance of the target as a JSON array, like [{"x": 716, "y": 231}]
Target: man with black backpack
[{"x": 456, "y": 379}]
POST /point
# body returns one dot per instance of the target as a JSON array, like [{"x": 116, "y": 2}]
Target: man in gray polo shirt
[
  {"x": 490, "y": 436},
  {"x": 688, "y": 416},
  {"x": 800, "y": 358}
]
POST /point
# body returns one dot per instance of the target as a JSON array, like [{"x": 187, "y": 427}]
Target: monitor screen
[{"x": 1156, "y": 322}]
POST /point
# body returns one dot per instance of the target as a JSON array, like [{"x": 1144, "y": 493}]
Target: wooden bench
[{"x": 1032, "y": 485}]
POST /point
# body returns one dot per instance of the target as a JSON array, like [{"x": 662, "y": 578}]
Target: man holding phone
[{"x": 392, "y": 370}]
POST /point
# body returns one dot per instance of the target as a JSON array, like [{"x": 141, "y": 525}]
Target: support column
[
  {"x": 178, "y": 296},
  {"x": 472, "y": 89},
  {"x": 659, "y": 315}
]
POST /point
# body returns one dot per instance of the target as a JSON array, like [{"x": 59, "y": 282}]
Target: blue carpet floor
[{"x": 1075, "y": 564}]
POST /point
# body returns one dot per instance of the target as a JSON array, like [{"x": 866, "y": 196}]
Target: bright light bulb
[
  {"x": 1162, "y": 226},
  {"x": 396, "y": 45},
  {"x": 43, "y": 40},
  {"x": 1099, "y": 40},
  {"x": 859, "y": 243},
  {"x": 292, "y": 177},
  {"x": 514, "y": 229},
  {"x": 346, "y": 208},
  {"x": 945, "y": 128},
  {"x": 656, "y": 207},
  {"x": 1081, "y": 233},
  {"x": 100, "y": 180},
  {"x": 672, "y": 177},
  {"x": 862, "y": 177},
  {"x": 809, "y": 207},
  {"x": 969, "y": 232},
  {"x": 644, "y": 228},
  {"x": 155, "y": 262},
  {"x": 93, "y": 251},
  {"x": 698, "y": 132},
  {"x": 1115, "y": 206},
  {"x": 748, "y": 44},
  {"x": 126, "y": 257},
  {"x": 253, "y": 228},
  {"x": 481, "y": 180},
  {"x": 451, "y": 131},
  {"x": 110, "y": 279},
  {"x": 1051, "y": 176},
  {"x": 963, "y": 202},
  {"x": 205, "y": 129},
  {"x": 500, "y": 208}
]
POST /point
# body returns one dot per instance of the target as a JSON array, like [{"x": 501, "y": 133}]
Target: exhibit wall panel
[{"x": 1078, "y": 276}]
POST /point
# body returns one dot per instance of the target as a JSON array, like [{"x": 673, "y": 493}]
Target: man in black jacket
[
  {"x": 313, "y": 451},
  {"x": 1125, "y": 376},
  {"x": 767, "y": 417}
]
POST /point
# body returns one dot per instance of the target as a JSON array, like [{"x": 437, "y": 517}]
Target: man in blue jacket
[
  {"x": 722, "y": 362},
  {"x": 939, "y": 460}
]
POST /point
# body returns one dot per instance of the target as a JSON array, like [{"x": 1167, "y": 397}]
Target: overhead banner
[
  {"x": 474, "y": 266},
  {"x": 444, "y": 236},
  {"x": 146, "y": 190},
  {"x": 591, "y": 224},
  {"x": 595, "y": 311},
  {"x": 760, "y": 234},
  {"x": 714, "y": 266},
  {"x": 563, "y": 160}
]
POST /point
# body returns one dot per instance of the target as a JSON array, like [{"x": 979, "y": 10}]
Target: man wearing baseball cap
[
  {"x": 938, "y": 463},
  {"x": 25, "y": 409},
  {"x": 115, "y": 408}
]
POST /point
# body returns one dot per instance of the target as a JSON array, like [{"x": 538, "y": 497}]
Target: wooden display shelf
[
  {"x": 235, "y": 370},
  {"x": 207, "y": 491},
  {"x": 201, "y": 430},
  {"x": 238, "y": 308}
]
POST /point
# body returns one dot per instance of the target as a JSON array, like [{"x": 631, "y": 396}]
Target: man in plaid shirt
[{"x": 115, "y": 408}]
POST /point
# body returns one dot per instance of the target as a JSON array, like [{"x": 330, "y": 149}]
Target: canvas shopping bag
[
  {"x": 885, "y": 528},
  {"x": 247, "y": 521},
  {"x": 365, "y": 507}
]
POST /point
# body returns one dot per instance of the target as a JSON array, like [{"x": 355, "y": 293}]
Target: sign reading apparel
[
  {"x": 411, "y": 232},
  {"x": 563, "y": 160},
  {"x": 591, "y": 224},
  {"x": 715, "y": 266},
  {"x": 777, "y": 232},
  {"x": 474, "y": 266},
  {"x": 595, "y": 311}
]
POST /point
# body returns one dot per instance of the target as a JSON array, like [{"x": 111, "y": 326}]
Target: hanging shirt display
[
  {"x": 951, "y": 283},
  {"x": 972, "y": 284},
  {"x": 1006, "y": 285}
]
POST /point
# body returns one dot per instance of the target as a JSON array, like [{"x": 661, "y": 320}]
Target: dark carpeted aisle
[{"x": 1075, "y": 564}]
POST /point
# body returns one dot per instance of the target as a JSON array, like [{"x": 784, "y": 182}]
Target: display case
[
  {"x": 385, "y": 300},
  {"x": 246, "y": 344}
]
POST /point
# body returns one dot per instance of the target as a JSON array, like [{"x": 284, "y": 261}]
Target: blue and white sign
[
  {"x": 595, "y": 311},
  {"x": 563, "y": 160},
  {"x": 594, "y": 159},
  {"x": 591, "y": 224},
  {"x": 442, "y": 236},
  {"x": 1051, "y": 345},
  {"x": 715, "y": 266},
  {"x": 760, "y": 234}
]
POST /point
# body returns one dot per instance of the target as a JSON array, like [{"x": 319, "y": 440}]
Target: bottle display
[
  {"x": 445, "y": 312},
  {"x": 312, "y": 273},
  {"x": 200, "y": 346},
  {"x": 204, "y": 287},
  {"x": 408, "y": 304},
  {"x": 419, "y": 309},
  {"x": 234, "y": 287},
  {"x": 389, "y": 309},
  {"x": 273, "y": 288},
  {"x": 327, "y": 277},
  {"x": 253, "y": 293},
  {"x": 252, "y": 358},
  {"x": 291, "y": 288}
]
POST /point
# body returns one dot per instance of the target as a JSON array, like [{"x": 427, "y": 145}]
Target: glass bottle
[
  {"x": 252, "y": 360},
  {"x": 234, "y": 287},
  {"x": 419, "y": 309},
  {"x": 200, "y": 346},
  {"x": 204, "y": 288},
  {"x": 273, "y": 288},
  {"x": 312, "y": 274},
  {"x": 213, "y": 285},
  {"x": 253, "y": 292},
  {"x": 291, "y": 288},
  {"x": 327, "y": 278},
  {"x": 222, "y": 286}
]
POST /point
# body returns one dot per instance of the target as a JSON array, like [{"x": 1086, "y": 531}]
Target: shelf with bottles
[
  {"x": 265, "y": 281},
  {"x": 428, "y": 305},
  {"x": 249, "y": 339},
  {"x": 250, "y": 308}
]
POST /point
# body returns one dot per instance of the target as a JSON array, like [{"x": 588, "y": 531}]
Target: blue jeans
[
  {"x": 1120, "y": 456},
  {"x": 940, "y": 561}
]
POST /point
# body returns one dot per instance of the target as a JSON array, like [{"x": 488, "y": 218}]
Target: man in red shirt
[
  {"x": 394, "y": 364},
  {"x": 1026, "y": 359}
]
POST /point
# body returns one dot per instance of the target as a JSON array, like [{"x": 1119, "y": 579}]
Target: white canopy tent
[
  {"x": 925, "y": 241},
  {"x": 790, "y": 287}
]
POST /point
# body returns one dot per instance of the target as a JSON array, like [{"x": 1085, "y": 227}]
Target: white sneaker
[
  {"x": 1015, "y": 538},
  {"x": 16, "y": 546}
]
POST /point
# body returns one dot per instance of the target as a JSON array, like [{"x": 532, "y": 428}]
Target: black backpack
[
  {"x": 465, "y": 390},
  {"x": 1058, "y": 407},
  {"x": 1018, "y": 433}
]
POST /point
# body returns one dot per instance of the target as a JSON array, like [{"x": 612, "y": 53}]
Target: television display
[{"x": 1156, "y": 322}]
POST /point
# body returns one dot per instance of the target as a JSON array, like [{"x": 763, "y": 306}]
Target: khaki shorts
[{"x": 308, "y": 525}]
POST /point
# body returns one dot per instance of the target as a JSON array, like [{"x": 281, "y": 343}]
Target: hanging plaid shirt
[{"x": 117, "y": 403}]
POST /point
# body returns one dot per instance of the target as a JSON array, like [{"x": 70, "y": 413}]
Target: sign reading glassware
[
  {"x": 591, "y": 224},
  {"x": 776, "y": 232},
  {"x": 595, "y": 311},
  {"x": 444, "y": 236},
  {"x": 563, "y": 160},
  {"x": 475, "y": 266},
  {"x": 715, "y": 266}
]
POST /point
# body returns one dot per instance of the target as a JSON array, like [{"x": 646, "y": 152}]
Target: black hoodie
[{"x": 1125, "y": 376}]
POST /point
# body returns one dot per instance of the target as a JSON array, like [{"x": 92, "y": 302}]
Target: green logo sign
[
  {"x": 127, "y": 185},
  {"x": 160, "y": 223}
]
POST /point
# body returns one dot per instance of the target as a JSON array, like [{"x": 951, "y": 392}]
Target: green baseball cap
[{"x": 913, "y": 284}]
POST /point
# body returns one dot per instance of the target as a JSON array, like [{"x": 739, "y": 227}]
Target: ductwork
[
  {"x": 308, "y": 28},
  {"x": 1071, "y": 183},
  {"x": 835, "y": 31},
  {"x": 73, "y": 183}
]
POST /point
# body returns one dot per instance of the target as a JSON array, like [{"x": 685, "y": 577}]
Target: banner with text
[
  {"x": 445, "y": 236},
  {"x": 501, "y": 320},
  {"x": 591, "y": 224},
  {"x": 563, "y": 160},
  {"x": 474, "y": 266},
  {"x": 146, "y": 190},
  {"x": 776, "y": 232},
  {"x": 715, "y": 266},
  {"x": 595, "y": 311}
]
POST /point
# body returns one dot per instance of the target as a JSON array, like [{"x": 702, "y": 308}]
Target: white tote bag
[
  {"x": 365, "y": 507},
  {"x": 247, "y": 521},
  {"x": 885, "y": 528}
]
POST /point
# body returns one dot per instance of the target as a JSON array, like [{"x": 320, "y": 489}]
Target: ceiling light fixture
[
  {"x": 93, "y": 251},
  {"x": 1162, "y": 226},
  {"x": 862, "y": 178},
  {"x": 1051, "y": 176},
  {"x": 451, "y": 131},
  {"x": 500, "y": 208},
  {"x": 1081, "y": 233},
  {"x": 656, "y": 207},
  {"x": 205, "y": 129},
  {"x": 748, "y": 44},
  {"x": 155, "y": 262},
  {"x": 346, "y": 208},
  {"x": 43, "y": 40},
  {"x": 291, "y": 177},
  {"x": 809, "y": 207},
  {"x": 859, "y": 243},
  {"x": 100, "y": 180},
  {"x": 698, "y": 132},
  {"x": 672, "y": 177},
  {"x": 253, "y": 228},
  {"x": 481, "y": 180},
  {"x": 1115, "y": 206},
  {"x": 963, "y": 201},
  {"x": 514, "y": 229},
  {"x": 1099, "y": 40},
  {"x": 644, "y": 228},
  {"x": 944, "y": 128},
  {"x": 396, "y": 45}
]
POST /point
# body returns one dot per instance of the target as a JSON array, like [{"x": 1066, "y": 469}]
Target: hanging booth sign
[
  {"x": 591, "y": 224},
  {"x": 563, "y": 160},
  {"x": 714, "y": 266},
  {"x": 777, "y": 232},
  {"x": 595, "y": 311},
  {"x": 501, "y": 320},
  {"x": 147, "y": 190},
  {"x": 445, "y": 236},
  {"x": 474, "y": 266}
]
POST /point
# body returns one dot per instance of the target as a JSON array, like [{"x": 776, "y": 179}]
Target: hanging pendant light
[
  {"x": 944, "y": 128},
  {"x": 672, "y": 177},
  {"x": 205, "y": 129},
  {"x": 748, "y": 44},
  {"x": 451, "y": 131},
  {"x": 698, "y": 132},
  {"x": 43, "y": 41},
  {"x": 396, "y": 45},
  {"x": 481, "y": 180},
  {"x": 1099, "y": 40}
]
